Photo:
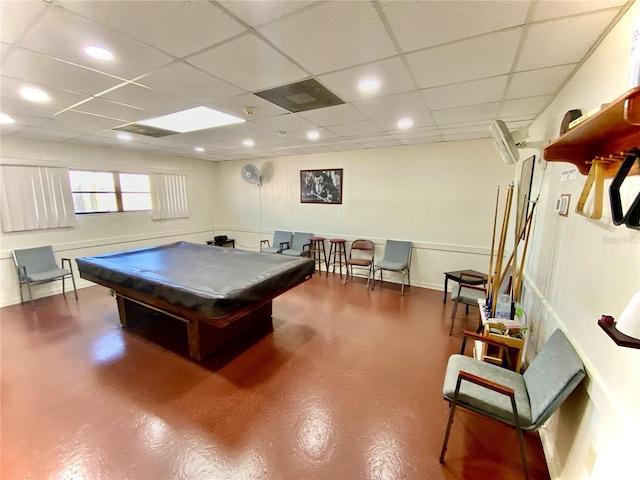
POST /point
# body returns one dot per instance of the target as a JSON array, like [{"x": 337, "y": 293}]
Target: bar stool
[
  {"x": 337, "y": 249},
  {"x": 318, "y": 253}
]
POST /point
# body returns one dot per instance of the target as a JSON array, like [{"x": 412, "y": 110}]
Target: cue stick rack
[{"x": 601, "y": 147}]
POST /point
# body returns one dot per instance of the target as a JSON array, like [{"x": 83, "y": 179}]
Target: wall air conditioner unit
[{"x": 508, "y": 143}]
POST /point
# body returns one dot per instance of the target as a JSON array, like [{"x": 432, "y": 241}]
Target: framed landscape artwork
[{"x": 321, "y": 186}]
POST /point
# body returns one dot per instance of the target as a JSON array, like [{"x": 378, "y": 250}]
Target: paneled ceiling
[{"x": 451, "y": 67}]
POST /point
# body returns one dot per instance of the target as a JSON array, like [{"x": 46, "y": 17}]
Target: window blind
[
  {"x": 35, "y": 198},
  {"x": 168, "y": 196}
]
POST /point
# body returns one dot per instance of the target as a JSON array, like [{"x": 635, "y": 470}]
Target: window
[{"x": 102, "y": 192}]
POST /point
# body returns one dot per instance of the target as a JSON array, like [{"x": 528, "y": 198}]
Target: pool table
[{"x": 220, "y": 293}]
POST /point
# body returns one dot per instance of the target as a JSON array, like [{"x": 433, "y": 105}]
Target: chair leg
[
  {"x": 33, "y": 307},
  {"x": 402, "y": 288},
  {"x": 453, "y": 316},
  {"x": 525, "y": 467},
  {"x": 63, "y": 292},
  {"x": 73, "y": 281},
  {"x": 452, "y": 407}
]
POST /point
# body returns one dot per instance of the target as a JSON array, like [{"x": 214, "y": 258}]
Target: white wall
[
  {"x": 103, "y": 233},
  {"x": 580, "y": 269},
  {"x": 439, "y": 196}
]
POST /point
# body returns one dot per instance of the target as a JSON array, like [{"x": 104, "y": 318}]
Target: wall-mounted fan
[
  {"x": 508, "y": 143},
  {"x": 251, "y": 174}
]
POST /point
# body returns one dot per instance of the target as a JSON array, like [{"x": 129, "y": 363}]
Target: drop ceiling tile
[
  {"x": 56, "y": 124},
  {"x": 36, "y": 132},
  {"x": 335, "y": 115},
  {"x": 73, "y": 32},
  {"x": 392, "y": 106},
  {"x": 89, "y": 119},
  {"x": 178, "y": 28},
  {"x": 148, "y": 99},
  {"x": 457, "y": 137},
  {"x": 325, "y": 135},
  {"x": 544, "y": 81},
  {"x": 353, "y": 129},
  {"x": 17, "y": 17},
  {"x": 436, "y": 138},
  {"x": 258, "y": 13},
  {"x": 235, "y": 105},
  {"x": 481, "y": 57},
  {"x": 4, "y": 50},
  {"x": 560, "y": 8},
  {"x": 380, "y": 142},
  {"x": 466, "y": 114},
  {"x": 18, "y": 106},
  {"x": 95, "y": 140},
  {"x": 10, "y": 128},
  {"x": 524, "y": 106},
  {"x": 10, "y": 88},
  {"x": 423, "y": 24},
  {"x": 105, "y": 108},
  {"x": 331, "y": 36},
  {"x": 249, "y": 63},
  {"x": 23, "y": 64},
  {"x": 468, "y": 93},
  {"x": 289, "y": 122},
  {"x": 391, "y": 73},
  {"x": 182, "y": 80},
  {"x": 420, "y": 120},
  {"x": 576, "y": 35},
  {"x": 249, "y": 130}
]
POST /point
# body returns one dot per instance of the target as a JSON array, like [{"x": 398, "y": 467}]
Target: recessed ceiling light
[
  {"x": 193, "y": 119},
  {"x": 369, "y": 85},
  {"x": 313, "y": 135},
  {"x": 4, "y": 118},
  {"x": 199, "y": 149},
  {"x": 248, "y": 142},
  {"x": 98, "y": 52},
  {"x": 124, "y": 136},
  {"x": 34, "y": 94},
  {"x": 405, "y": 123}
]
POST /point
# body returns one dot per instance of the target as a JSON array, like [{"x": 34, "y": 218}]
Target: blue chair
[
  {"x": 524, "y": 401},
  {"x": 396, "y": 258},
  {"x": 301, "y": 245},
  {"x": 281, "y": 240},
  {"x": 38, "y": 265}
]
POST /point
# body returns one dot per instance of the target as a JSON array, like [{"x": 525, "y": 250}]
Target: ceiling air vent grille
[
  {"x": 145, "y": 130},
  {"x": 301, "y": 96}
]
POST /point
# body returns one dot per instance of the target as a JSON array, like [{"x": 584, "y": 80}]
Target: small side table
[
  {"x": 228, "y": 241},
  {"x": 456, "y": 276}
]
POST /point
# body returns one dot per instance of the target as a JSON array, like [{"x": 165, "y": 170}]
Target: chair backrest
[
  {"x": 36, "y": 260},
  {"x": 552, "y": 376},
  {"x": 397, "y": 251},
  {"x": 280, "y": 236},
  {"x": 361, "y": 244},
  {"x": 300, "y": 239}
]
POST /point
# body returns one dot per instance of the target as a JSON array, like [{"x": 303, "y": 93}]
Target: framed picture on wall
[{"x": 321, "y": 186}]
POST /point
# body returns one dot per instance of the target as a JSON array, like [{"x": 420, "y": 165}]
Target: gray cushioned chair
[
  {"x": 396, "y": 258},
  {"x": 281, "y": 240},
  {"x": 38, "y": 265},
  {"x": 301, "y": 245},
  {"x": 524, "y": 401}
]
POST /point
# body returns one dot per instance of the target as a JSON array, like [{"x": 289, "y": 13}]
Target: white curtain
[
  {"x": 168, "y": 196},
  {"x": 36, "y": 198}
]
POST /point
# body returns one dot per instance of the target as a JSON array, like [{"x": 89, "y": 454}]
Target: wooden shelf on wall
[{"x": 612, "y": 130}]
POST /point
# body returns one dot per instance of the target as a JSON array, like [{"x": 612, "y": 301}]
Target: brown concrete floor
[{"x": 348, "y": 385}]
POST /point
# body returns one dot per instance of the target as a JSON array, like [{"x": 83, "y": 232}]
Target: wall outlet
[{"x": 562, "y": 204}]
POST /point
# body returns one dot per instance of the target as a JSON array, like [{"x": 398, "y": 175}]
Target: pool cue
[
  {"x": 500, "y": 254},
  {"x": 493, "y": 242},
  {"x": 514, "y": 270},
  {"x": 524, "y": 253},
  {"x": 504, "y": 273}
]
